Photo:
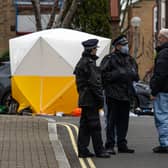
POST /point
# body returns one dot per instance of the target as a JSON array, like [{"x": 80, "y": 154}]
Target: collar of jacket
[
  {"x": 159, "y": 48},
  {"x": 87, "y": 54}
]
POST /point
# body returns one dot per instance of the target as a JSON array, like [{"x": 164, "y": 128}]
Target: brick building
[
  {"x": 17, "y": 18},
  {"x": 146, "y": 10},
  {"x": 14, "y": 21},
  {"x": 7, "y": 23}
]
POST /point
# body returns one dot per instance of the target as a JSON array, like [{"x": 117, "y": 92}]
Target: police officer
[
  {"x": 88, "y": 81},
  {"x": 118, "y": 79}
]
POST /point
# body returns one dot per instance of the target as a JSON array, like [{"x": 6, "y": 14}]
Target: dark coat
[
  {"x": 159, "y": 80},
  {"x": 118, "y": 77},
  {"x": 88, "y": 81}
]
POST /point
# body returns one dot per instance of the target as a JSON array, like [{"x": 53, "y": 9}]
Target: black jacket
[
  {"x": 118, "y": 77},
  {"x": 159, "y": 80},
  {"x": 88, "y": 81}
]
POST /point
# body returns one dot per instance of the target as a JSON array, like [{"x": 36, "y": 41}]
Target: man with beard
[{"x": 159, "y": 86}]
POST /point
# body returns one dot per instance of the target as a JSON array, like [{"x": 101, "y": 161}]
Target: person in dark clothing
[
  {"x": 159, "y": 87},
  {"x": 89, "y": 87},
  {"x": 118, "y": 77}
]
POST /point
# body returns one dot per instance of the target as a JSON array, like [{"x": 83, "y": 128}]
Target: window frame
[{"x": 28, "y": 2}]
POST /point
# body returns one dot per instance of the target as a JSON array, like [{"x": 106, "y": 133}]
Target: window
[
  {"x": 28, "y": 2},
  {"x": 42, "y": 2}
]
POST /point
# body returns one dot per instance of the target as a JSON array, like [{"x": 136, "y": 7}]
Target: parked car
[
  {"x": 7, "y": 103},
  {"x": 141, "y": 103},
  {"x": 5, "y": 83}
]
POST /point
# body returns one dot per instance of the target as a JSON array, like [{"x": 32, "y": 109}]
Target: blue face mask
[{"x": 124, "y": 49}]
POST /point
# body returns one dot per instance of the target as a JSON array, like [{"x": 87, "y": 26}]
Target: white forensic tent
[{"x": 42, "y": 65}]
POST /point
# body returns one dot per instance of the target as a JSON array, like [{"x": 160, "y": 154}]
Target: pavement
[{"x": 30, "y": 142}]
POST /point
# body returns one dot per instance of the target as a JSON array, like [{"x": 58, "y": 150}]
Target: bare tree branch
[
  {"x": 61, "y": 14},
  {"x": 68, "y": 18},
  {"x": 124, "y": 14},
  {"x": 122, "y": 3},
  {"x": 36, "y": 7},
  {"x": 125, "y": 30},
  {"x": 53, "y": 14}
]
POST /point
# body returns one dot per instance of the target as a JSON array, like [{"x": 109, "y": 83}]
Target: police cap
[
  {"x": 91, "y": 43},
  {"x": 122, "y": 40}
]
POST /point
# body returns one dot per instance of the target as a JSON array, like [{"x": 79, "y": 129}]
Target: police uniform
[
  {"x": 118, "y": 78},
  {"x": 88, "y": 81}
]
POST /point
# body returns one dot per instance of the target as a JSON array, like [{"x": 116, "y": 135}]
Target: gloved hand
[{"x": 101, "y": 112}]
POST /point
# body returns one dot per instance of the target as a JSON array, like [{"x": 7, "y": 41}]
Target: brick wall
[
  {"x": 144, "y": 9},
  {"x": 7, "y": 22}
]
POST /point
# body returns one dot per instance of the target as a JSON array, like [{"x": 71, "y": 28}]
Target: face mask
[{"x": 124, "y": 49}]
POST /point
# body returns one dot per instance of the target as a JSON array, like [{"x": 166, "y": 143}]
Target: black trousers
[
  {"x": 90, "y": 128},
  {"x": 117, "y": 122}
]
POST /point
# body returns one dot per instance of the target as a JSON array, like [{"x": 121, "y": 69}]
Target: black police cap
[
  {"x": 122, "y": 40},
  {"x": 91, "y": 43}
]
